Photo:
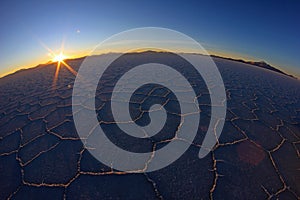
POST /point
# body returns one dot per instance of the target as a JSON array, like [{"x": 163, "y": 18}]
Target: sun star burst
[{"x": 59, "y": 58}]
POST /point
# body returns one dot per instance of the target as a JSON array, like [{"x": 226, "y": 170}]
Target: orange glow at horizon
[{"x": 52, "y": 56}]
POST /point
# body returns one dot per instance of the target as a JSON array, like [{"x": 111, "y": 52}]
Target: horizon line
[{"x": 249, "y": 61}]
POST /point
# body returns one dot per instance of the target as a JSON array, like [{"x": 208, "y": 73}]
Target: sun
[
  {"x": 61, "y": 61},
  {"x": 59, "y": 58}
]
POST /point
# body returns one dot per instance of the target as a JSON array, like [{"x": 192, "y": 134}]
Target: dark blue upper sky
[{"x": 257, "y": 30}]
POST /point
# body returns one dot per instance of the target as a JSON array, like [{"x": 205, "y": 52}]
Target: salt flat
[{"x": 257, "y": 156}]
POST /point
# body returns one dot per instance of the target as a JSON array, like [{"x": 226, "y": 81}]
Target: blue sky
[{"x": 257, "y": 30}]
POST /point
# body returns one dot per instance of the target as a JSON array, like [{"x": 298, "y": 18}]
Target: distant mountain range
[{"x": 261, "y": 64}]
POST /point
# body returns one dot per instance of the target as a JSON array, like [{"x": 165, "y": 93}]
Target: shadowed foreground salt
[{"x": 257, "y": 156}]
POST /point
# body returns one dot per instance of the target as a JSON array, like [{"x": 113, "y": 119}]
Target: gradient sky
[{"x": 256, "y": 30}]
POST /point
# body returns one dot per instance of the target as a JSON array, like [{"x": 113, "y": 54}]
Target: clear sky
[{"x": 256, "y": 30}]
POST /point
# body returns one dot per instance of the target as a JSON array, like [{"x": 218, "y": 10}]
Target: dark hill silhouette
[{"x": 261, "y": 64}]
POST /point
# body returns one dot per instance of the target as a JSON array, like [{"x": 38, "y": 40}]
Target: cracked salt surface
[{"x": 256, "y": 157}]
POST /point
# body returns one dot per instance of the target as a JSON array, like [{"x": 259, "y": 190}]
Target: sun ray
[
  {"x": 69, "y": 68},
  {"x": 47, "y": 48},
  {"x": 60, "y": 59},
  {"x": 56, "y": 75}
]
